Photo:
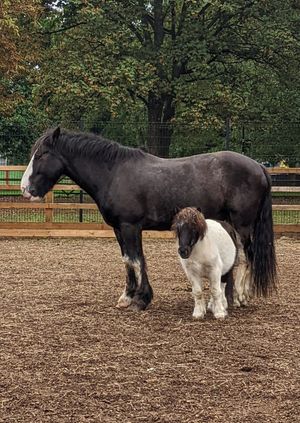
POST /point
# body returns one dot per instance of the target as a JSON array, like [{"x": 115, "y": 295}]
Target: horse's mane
[
  {"x": 193, "y": 217},
  {"x": 86, "y": 145}
]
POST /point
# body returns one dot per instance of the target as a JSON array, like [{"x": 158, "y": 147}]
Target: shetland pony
[{"x": 207, "y": 249}]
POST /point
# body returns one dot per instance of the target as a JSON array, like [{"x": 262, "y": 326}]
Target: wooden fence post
[{"x": 49, "y": 198}]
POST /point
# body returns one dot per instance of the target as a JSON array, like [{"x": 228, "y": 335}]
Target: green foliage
[
  {"x": 167, "y": 64},
  {"x": 18, "y": 130}
]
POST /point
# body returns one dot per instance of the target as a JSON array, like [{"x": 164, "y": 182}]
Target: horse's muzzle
[
  {"x": 30, "y": 194},
  {"x": 25, "y": 192}
]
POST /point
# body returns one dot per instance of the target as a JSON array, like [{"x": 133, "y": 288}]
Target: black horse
[{"x": 135, "y": 190}]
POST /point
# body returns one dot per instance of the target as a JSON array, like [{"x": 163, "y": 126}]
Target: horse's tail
[{"x": 261, "y": 250}]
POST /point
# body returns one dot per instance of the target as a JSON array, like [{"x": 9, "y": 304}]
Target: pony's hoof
[
  {"x": 198, "y": 315},
  {"x": 210, "y": 305},
  {"x": 220, "y": 315}
]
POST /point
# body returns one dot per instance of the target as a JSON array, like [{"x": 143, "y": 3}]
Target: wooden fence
[{"x": 48, "y": 226}]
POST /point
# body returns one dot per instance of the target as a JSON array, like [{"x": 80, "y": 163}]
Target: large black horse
[{"x": 135, "y": 190}]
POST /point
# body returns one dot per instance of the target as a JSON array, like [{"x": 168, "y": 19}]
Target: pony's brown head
[{"x": 189, "y": 226}]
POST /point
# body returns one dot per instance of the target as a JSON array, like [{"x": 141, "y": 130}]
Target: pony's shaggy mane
[
  {"x": 192, "y": 217},
  {"x": 86, "y": 145}
]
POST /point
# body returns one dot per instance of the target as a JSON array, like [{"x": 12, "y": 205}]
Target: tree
[
  {"x": 16, "y": 50},
  {"x": 179, "y": 59}
]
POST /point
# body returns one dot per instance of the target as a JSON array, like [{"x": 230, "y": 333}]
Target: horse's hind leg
[
  {"x": 242, "y": 284},
  {"x": 138, "y": 292}
]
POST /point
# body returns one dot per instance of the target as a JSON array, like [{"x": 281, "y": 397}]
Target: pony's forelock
[{"x": 192, "y": 217}]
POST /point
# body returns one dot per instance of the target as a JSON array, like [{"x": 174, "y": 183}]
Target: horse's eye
[{"x": 40, "y": 154}]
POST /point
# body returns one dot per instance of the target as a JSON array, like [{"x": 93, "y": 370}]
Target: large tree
[
  {"x": 16, "y": 47},
  {"x": 179, "y": 59}
]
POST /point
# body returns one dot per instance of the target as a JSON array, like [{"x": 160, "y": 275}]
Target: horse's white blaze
[{"x": 25, "y": 181}]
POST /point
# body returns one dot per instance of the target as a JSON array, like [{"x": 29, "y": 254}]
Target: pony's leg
[
  {"x": 227, "y": 286},
  {"x": 200, "y": 307},
  {"x": 138, "y": 292},
  {"x": 224, "y": 299},
  {"x": 227, "y": 291},
  {"x": 218, "y": 295},
  {"x": 197, "y": 292}
]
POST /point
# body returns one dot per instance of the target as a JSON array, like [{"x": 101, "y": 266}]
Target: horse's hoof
[
  {"x": 124, "y": 302},
  {"x": 121, "y": 305},
  {"x": 135, "y": 307},
  {"x": 139, "y": 303},
  {"x": 243, "y": 301}
]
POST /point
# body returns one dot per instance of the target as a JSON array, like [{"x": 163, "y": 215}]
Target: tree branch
[
  {"x": 62, "y": 29},
  {"x": 133, "y": 95},
  {"x": 182, "y": 18}
]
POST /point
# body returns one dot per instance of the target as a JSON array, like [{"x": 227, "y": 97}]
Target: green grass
[
  {"x": 286, "y": 217},
  {"x": 93, "y": 216},
  {"x": 59, "y": 216}
]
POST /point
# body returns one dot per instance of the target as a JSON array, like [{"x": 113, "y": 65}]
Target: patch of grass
[
  {"x": 59, "y": 216},
  {"x": 286, "y": 217}
]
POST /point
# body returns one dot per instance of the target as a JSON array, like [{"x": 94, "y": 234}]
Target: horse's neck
[{"x": 93, "y": 177}]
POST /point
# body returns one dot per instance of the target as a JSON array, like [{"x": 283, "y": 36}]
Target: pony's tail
[{"x": 261, "y": 251}]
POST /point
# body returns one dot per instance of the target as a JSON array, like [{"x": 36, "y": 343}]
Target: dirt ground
[{"x": 68, "y": 355}]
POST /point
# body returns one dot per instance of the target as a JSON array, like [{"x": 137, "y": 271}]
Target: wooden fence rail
[{"x": 51, "y": 228}]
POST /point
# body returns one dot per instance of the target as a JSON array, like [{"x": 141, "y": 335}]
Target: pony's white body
[{"x": 211, "y": 258}]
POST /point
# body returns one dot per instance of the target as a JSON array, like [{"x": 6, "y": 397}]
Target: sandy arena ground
[{"x": 68, "y": 355}]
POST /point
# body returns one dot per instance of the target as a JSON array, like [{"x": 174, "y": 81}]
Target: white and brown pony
[{"x": 211, "y": 249}]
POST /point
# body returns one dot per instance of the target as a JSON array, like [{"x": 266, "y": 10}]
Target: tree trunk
[{"x": 160, "y": 128}]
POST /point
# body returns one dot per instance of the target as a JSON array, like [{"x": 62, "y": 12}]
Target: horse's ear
[{"x": 56, "y": 134}]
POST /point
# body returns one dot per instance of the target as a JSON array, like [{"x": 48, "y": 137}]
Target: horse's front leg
[{"x": 138, "y": 292}]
